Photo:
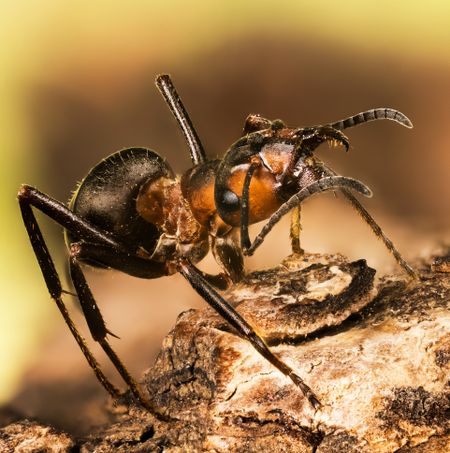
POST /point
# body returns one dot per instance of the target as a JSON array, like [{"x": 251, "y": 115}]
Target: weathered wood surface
[{"x": 376, "y": 353}]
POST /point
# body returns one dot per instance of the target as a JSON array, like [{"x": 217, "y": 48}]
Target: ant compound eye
[{"x": 229, "y": 200}]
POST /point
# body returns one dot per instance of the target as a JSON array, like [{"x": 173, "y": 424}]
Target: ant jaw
[
  {"x": 332, "y": 143},
  {"x": 335, "y": 137},
  {"x": 311, "y": 137}
]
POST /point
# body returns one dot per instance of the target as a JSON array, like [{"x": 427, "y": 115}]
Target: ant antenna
[
  {"x": 321, "y": 185},
  {"x": 373, "y": 115}
]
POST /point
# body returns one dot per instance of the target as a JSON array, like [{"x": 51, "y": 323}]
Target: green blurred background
[{"x": 76, "y": 83}]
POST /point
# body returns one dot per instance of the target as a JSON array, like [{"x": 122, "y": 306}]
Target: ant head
[
  {"x": 255, "y": 122},
  {"x": 284, "y": 163},
  {"x": 273, "y": 148}
]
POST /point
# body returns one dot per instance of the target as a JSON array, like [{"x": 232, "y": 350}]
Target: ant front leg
[
  {"x": 218, "y": 303},
  {"x": 362, "y": 211},
  {"x": 295, "y": 230},
  {"x": 321, "y": 185},
  {"x": 228, "y": 255}
]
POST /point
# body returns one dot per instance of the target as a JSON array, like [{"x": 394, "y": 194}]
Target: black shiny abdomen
[{"x": 107, "y": 196}]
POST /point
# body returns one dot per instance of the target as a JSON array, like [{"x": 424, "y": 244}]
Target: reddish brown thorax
[
  {"x": 162, "y": 203},
  {"x": 186, "y": 208}
]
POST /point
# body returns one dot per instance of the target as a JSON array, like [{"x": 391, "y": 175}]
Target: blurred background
[{"x": 77, "y": 83}]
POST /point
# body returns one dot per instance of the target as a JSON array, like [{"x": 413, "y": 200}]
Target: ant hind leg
[
  {"x": 54, "y": 288},
  {"x": 96, "y": 323},
  {"x": 29, "y": 198}
]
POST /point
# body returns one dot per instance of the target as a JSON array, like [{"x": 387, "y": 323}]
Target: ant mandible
[{"x": 132, "y": 214}]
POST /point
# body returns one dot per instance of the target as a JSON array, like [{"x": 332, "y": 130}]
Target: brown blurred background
[{"x": 77, "y": 85}]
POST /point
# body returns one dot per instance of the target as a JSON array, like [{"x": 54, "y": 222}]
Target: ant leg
[
  {"x": 201, "y": 286},
  {"x": 295, "y": 231},
  {"x": 321, "y": 185},
  {"x": 96, "y": 323},
  {"x": 61, "y": 214},
  {"x": 54, "y": 288},
  {"x": 228, "y": 255},
  {"x": 379, "y": 233},
  {"x": 173, "y": 100},
  {"x": 376, "y": 228},
  {"x": 30, "y": 197}
]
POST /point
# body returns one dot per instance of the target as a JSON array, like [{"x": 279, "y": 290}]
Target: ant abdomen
[{"x": 106, "y": 197}]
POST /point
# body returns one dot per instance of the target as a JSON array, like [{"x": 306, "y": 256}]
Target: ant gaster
[{"x": 131, "y": 213}]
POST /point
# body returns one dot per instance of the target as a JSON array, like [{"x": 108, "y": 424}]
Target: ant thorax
[{"x": 162, "y": 203}]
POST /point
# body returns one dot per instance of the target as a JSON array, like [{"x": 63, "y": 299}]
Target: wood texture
[{"x": 377, "y": 353}]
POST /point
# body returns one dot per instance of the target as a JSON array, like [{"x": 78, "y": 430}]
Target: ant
[{"x": 132, "y": 214}]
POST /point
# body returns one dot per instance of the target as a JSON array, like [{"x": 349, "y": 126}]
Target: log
[{"x": 375, "y": 351}]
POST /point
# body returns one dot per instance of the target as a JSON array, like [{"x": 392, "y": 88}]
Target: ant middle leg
[
  {"x": 82, "y": 252},
  {"x": 218, "y": 303}
]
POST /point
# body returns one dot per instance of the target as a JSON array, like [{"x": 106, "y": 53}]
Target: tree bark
[{"x": 376, "y": 353}]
